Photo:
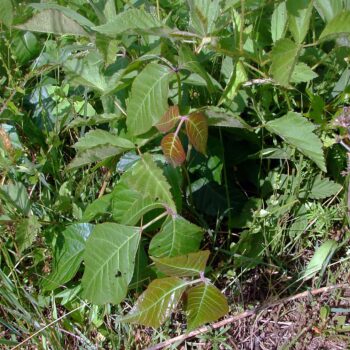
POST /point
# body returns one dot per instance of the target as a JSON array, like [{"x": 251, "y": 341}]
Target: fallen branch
[{"x": 179, "y": 339}]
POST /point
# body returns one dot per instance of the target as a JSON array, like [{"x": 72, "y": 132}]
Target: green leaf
[
  {"x": 238, "y": 77},
  {"x": 299, "y": 12},
  {"x": 182, "y": 266},
  {"x": 323, "y": 188},
  {"x": 98, "y": 207},
  {"x": 203, "y": 14},
  {"x": 147, "y": 178},
  {"x": 284, "y": 56},
  {"x": 109, "y": 262},
  {"x": 168, "y": 119},
  {"x": 156, "y": 304},
  {"x": 26, "y": 232},
  {"x": 187, "y": 60},
  {"x": 99, "y": 137},
  {"x": 148, "y": 100},
  {"x": 173, "y": 149},
  {"x": 328, "y": 9},
  {"x": 197, "y": 131},
  {"x": 298, "y": 132},
  {"x": 128, "y": 205},
  {"x": 75, "y": 16},
  {"x": 52, "y": 21},
  {"x": 25, "y": 46},
  {"x": 338, "y": 26},
  {"x": 302, "y": 73},
  {"x": 6, "y": 12},
  {"x": 176, "y": 237},
  {"x": 205, "y": 303},
  {"x": 130, "y": 20},
  {"x": 93, "y": 155},
  {"x": 68, "y": 255},
  {"x": 221, "y": 117},
  {"x": 279, "y": 21},
  {"x": 16, "y": 195},
  {"x": 320, "y": 259}
]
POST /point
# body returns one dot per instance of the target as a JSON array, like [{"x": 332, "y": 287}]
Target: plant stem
[{"x": 150, "y": 223}]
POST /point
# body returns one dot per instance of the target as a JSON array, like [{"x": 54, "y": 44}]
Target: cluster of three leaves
[{"x": 196, "y": 129}]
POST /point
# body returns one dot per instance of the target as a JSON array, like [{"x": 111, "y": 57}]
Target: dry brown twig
[{"x": 179, "y": 339}]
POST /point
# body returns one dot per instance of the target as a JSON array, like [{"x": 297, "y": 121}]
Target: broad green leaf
[
  {"x": 99, "y": 137},
  {"x": 96, "y": 154},
  {"x": 6, "y": 12},
  {"x": 302, "y": 73},
  {"x": 68, "y": 255},
  {"x": 238, "y": 77},
  {"x": 197, "y": 131},
  {"x": 298, "y": 132},
  {"x": 203, "y": 14},
  {"x": 182, "y": 266},
  {"x": 221, "y": 117},
  {"x": 320, "y": 260},
  {"x": 109, "y": 262},
  {"x": 26, "y": 232},
  {"x": 328, "y": 9},
  {"x": 279, "y": 21},
  {"x": 173, "y": 149},
  {"x": 148, "y": 100},
  {"x": 147, "y": 178},
  {"x": 338, "y": 26},
  {"x": 188, "y": 60},
  {"x": 168, "y": 119},
  {"x": 52, "y": 21},
  {"x": 176, "y": 237},
  {"x": 130, "y": 20},
  {"x": 25, "y": 46},
  {"x": 75, "y": 16},
  {"x": 98, "y": 207},
  {"x": 156, "y": 304},
  {"x": 323, "y": 188},
  {"x": 284, "y": 56},
  {"x": 128, "y": 205},
  {"x": 87, "y": 72},
  {"x": 16, "y": 195},
  {"x": 205, "y": 303},
  {"x": 299, "y": 13}
]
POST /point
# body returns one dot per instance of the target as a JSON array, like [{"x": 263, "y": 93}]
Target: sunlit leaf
[
  {"x": 197, "y": 131},
  {"x": 176, "y": 237},
  {"x": 173, "y": 149},
  {"x": 149, "y": 98},
  {"x": 98, "y": 137},
  {"x": 321, "y": 188},
  {"x": 98, "y": 207},
  {"x": 128, "y": 205},
  {"x": 284, "y": 56},
  {"x": 321, "y": 258},
  {"x": 328, "y": 9},
  {"x": 6, "y": 12},
  {"x": 299, "y": 13},
  {"x": 156, "y": 304},
  {"x": 168, "y": 119},
  {"x": 298, "y": 132},
  {"x": 182, "y": 266},
  {"x": 109, "y": 262},
  {"x": 302, "y": 73},
  {"x": 130, "y": 20},
  {"x": 68, "y": 255},
  {"x": 205, "y": 303},
  {"x": 278, "y": 21},
  {"x": 338, "y": 26},
  {"x": 52, "y": 21},
  {"x": 146, "y": 177}
]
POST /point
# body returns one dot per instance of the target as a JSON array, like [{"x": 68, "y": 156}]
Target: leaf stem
[{"x": 150, "y": 223}]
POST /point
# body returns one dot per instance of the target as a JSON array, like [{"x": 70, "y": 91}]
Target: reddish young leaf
[
  {"x": 197, "y": 131},
  {"x": 172, "y": 149},
  {"x": 168, "y": 119}
]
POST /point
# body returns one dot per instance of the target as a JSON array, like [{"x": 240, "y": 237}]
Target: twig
[
  {"x": 246, "y": 314},
  {"x": 104, "y": 185}
]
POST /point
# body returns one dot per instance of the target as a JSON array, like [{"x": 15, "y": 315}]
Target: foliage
[{"x": 133, "y": 135}]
